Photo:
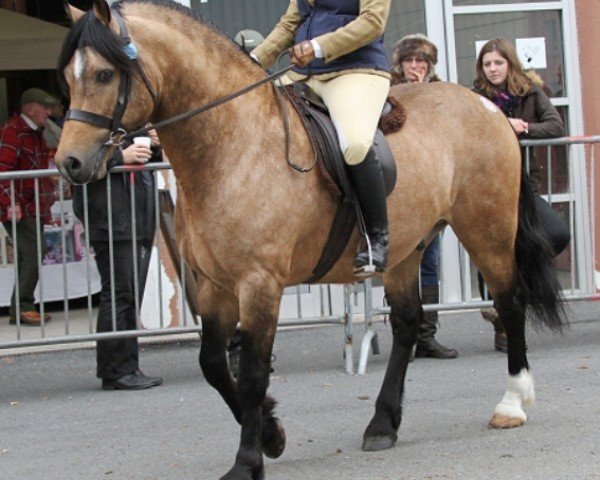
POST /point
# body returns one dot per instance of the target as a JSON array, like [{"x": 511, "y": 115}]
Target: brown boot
[
  {"x": 427, "y": 345},
  {"x": 31, "y": 317},
  {"x": 500, "y": 342}
]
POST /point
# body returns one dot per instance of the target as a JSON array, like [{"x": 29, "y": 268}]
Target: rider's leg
[
  {"x": 355, "y": 102},
  {"x": 367, "y": 180}
]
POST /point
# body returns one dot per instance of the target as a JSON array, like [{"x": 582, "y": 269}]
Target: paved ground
[{"x": 56, "y": 423}]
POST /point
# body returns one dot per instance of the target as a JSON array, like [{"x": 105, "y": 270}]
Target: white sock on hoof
[{"x": 519, "y": 391}]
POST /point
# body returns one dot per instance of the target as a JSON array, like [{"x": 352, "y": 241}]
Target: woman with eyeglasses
[{"x": 413, "y": 61}]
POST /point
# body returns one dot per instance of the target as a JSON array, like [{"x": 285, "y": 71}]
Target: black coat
[{"x": 121, "y": 203}]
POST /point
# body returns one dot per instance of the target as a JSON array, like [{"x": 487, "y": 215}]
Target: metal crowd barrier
[
  {"x": 314, "y": 304},
  {"x": 79, "y": 327}
]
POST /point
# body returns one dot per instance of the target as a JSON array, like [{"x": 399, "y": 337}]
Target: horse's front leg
[
  {"x": 259, "y": 298},
  {"x": 219, "y": 312},
  {"x": 402, "y": 293},
  {"x": 520, "y": 391},
  {"x": 220, "y": 315}
]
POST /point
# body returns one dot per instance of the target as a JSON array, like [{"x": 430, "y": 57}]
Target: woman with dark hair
[
  {"x": 413, "y": 61},
  {"x": 501, "y": 79}
]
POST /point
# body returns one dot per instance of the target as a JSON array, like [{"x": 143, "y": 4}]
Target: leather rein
[{"x": 118, "y": 134}]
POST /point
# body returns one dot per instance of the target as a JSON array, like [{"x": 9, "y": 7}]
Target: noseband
[{"x": 114, "y": 125}]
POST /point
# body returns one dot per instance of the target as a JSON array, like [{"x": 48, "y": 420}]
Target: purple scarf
[{"x": 505, "y": 101}]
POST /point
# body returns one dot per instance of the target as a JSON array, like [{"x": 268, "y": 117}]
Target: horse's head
[{"x": 107, "y": 88}]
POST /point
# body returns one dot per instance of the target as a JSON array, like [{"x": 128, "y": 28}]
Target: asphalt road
[{"x": 56, "y": 422}]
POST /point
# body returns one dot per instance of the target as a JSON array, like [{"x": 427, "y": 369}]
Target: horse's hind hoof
[
  {"x": 379, "y": 442},
  {"x": 503, "y": 421},
  {"x": 273, "y": 438}
]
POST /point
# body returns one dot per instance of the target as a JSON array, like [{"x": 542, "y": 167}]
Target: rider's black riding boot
[
  {"x": 427, "y": 345},
  {"x": 367, "y": 180}
]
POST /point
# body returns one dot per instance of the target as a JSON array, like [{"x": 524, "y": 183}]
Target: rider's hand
[
  {"x": 136, "y": 154},
  {"x": 302, "y": 54}
]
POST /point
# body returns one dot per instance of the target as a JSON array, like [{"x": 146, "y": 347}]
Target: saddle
[{"x": 321, "y": 131}]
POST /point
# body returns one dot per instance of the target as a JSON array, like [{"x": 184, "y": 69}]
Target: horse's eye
[{"x": 105, "y": 76}]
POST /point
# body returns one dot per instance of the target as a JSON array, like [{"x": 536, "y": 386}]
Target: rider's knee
[{"x": 356, "y": 151}]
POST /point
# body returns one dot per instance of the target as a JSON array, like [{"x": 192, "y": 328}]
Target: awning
[{"x": 27, "y": 43}]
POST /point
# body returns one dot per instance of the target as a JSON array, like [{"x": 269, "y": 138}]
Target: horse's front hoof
[
  {"x": 273, "y": 438},
  {"x": 504, "y": 421},
  {"x": 379, "y": 442},
  {"x": 240, "y": 472}
]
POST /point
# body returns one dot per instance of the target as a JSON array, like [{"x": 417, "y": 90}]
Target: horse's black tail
[{"x": 538, "y": 286}]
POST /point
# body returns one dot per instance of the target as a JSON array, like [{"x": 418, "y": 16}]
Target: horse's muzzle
[{"x": 82, "y": 171}]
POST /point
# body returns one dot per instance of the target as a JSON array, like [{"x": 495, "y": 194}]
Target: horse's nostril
[{"x": 73, "y": 164}]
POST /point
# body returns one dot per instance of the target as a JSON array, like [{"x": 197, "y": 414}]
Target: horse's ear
[
  {"x": 73, "y": 13},
  {"x": 102, "y": 11}
]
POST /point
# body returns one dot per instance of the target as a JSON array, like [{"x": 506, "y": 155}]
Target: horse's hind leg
[
  {"x": 493, "y": 253},
  {"x": 509, "y": 412},
  {"x": 259, "y": 299},
  {"x": 402, "y": 293}
]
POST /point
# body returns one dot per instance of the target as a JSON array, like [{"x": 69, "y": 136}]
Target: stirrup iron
[{"x": 369, "y": 269}]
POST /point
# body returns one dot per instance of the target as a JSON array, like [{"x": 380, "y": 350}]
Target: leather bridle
[{"x": 118, "y": 134}]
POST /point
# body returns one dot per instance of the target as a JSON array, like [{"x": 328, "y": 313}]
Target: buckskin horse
[{"x": 250, "y": 225}]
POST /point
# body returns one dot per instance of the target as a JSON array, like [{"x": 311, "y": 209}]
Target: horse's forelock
[{"x": 88, "y": 31}]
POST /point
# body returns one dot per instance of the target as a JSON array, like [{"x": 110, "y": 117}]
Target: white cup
[{"x": 144, "y": 141}]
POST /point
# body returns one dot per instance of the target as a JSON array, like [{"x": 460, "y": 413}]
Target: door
[{"x": 545, "y": 35}]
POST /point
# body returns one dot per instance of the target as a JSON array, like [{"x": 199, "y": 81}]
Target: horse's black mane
[
  {"x": 178, "y": 7},
  {"x": 88, "y": 31},
  {"x": 188, "y": 12}
]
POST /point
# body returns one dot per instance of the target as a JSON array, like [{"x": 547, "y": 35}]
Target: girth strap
[{"x": 341, "y": 230}]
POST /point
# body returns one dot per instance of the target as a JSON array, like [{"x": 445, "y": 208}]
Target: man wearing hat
[{"x": 22, "y": 147}]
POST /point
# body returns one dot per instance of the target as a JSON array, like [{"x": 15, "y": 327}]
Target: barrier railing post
[
  {"x": 348, "y": 330},
  {"x": 370, "y": 341}
]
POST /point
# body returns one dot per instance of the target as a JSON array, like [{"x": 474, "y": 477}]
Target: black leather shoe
[
  {"x": 433, "y": 349},
  {"x": 156, "y": 381},
  {"x": 131, "y": 381}
]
